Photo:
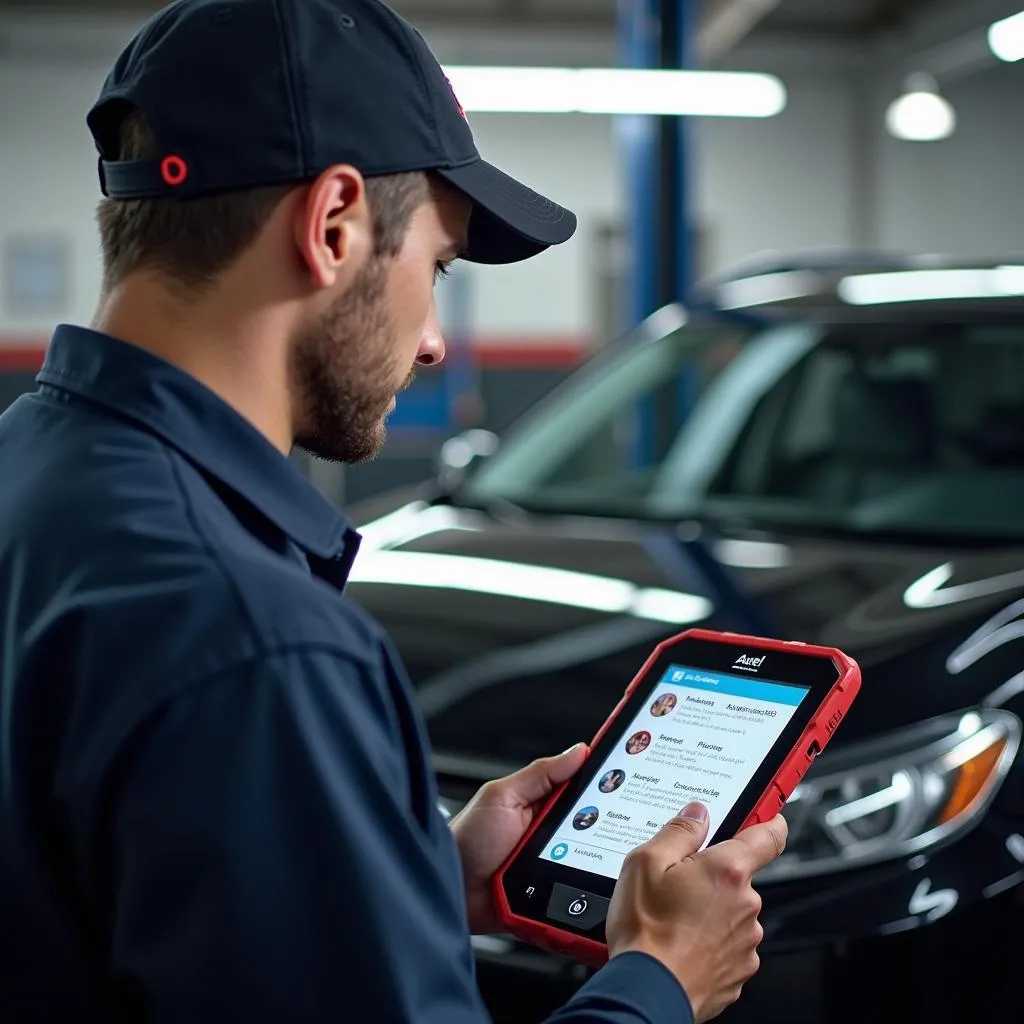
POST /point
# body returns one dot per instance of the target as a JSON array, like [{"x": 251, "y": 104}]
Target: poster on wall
[{"x": 36, "y": 273}]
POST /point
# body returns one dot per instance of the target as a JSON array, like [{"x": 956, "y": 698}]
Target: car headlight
[{"x": 898, "y": 795}]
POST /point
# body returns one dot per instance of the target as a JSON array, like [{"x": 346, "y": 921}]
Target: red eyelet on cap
[{"x": 173, "y": 170}]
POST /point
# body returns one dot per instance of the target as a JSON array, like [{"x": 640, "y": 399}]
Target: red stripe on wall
[
  {"x": 557, "y": 352},
  {"x": 21, "y": 357},
  {"x": 551, "y": 353}
]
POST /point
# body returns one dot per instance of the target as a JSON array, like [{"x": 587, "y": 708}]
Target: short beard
[{"x": 344, "y": 374}]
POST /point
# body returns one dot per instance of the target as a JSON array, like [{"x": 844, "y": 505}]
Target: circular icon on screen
[
  {"x": 585, "y": 817},
  {"x": 638, "y": 742},
  {"x": 578, "y": 906},
  {"x": 611, "y": 781},
  {"x": 663, "y": 705},
  {"x": 559, "y": 851}
]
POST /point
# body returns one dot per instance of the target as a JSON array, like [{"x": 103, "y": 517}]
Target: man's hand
[
  {"x": 490, "y": 826},
  {"x": 696, "y": 912}
]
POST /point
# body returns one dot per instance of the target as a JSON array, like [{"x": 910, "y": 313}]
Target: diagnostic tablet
[{"x": 732, "y": 721}]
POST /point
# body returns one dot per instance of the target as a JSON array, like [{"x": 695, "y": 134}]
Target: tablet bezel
[{"x": 817, "y": 672}]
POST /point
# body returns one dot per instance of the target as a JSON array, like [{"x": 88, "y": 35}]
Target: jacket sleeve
[
  {"x": 265, "y": 865},
  {"x": 632, "y": 988}
]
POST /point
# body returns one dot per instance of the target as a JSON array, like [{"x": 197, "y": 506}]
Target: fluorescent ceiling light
[
  {"x": 1006, "y": 38},
  {"x": 920, "y": 114},
  {"x": 540, "y": 90},
  {"x": 528, "y": 583},
  {"x": 925, "y": 285}
]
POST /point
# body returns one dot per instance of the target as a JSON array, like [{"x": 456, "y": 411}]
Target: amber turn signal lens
[{"x": 971, "y": 779}]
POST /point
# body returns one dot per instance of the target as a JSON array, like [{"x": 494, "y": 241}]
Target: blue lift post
[
  {"x": 445, "y": 399},
  {"x": 658, "y": 154}
]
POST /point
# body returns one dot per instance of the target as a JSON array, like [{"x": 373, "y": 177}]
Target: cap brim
[{"x": 509, "y": 222}]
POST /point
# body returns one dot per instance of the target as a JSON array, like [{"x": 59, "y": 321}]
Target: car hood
[{"x": 520, "y": 631}]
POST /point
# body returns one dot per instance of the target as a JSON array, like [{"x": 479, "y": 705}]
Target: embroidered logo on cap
[{"x": 451, "y": 88}]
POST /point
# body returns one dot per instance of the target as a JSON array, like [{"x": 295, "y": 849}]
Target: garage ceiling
[
  {"x": 848, "y": 17},
  {"x": 809, "y": 21},
  {"x": 840, "y": 16}
]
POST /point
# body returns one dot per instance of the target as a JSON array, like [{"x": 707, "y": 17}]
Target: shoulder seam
[
  {"x": 212, "y": 552},
  {"x": 138, "y": 717},
  {"x": 136, "y": 723},
  {"x": 267, "y": 653}
]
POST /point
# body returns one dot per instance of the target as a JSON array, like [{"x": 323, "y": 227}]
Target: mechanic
[{"x": 217, "y": 802}]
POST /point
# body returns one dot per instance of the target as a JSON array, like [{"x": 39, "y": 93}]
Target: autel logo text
[{"x": 749, "y": 660}]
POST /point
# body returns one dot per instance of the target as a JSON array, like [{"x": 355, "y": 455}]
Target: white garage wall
[
  {"x": 789, "y": 182},
  {"x": 783, "y": 183},
  {"x": 758, "y": 185},
  {"x": 964, "y": 194},
  {"x": 48, "y": 173}
]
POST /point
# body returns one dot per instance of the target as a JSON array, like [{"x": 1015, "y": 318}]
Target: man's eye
[{"x": 440, "y": 271}]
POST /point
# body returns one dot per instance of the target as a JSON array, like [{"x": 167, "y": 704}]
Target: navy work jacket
[{"x": 216, "y": 800}]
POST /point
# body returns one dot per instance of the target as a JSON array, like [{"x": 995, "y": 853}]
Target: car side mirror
[{"x": 458, "y": 453}]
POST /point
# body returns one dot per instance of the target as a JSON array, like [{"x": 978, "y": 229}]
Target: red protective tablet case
[{"x": 818, "y": 731}]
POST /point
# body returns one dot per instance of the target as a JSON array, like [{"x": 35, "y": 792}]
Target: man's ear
[{"x": 333, "y": 228}]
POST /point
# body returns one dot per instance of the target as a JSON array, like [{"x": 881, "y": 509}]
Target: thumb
[
  {"x": 539, "y": 778},
  {"x": 681, "y": 837}
]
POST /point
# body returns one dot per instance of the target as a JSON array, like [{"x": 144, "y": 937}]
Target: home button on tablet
[{"x": 576, "y": 907}]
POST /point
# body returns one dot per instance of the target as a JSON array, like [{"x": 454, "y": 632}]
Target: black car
[{"x": 828, "y": 453}]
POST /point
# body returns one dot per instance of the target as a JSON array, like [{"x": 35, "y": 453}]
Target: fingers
[
  {"x": 761, "y": 844},
  {"x": 538, "y": 779},
  {"x": 564, "y": 766},
  {"x": 680, "y": 836}
]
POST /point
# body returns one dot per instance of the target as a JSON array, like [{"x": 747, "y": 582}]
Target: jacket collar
[{"x": 165, "y": 400}]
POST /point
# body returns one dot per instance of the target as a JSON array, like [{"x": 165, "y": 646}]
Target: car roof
[{"x": 843, "y": 285}]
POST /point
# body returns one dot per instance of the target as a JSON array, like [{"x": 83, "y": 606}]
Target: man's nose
[{"x": 431, "y": 350}]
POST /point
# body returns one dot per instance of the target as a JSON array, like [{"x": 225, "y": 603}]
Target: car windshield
[{"x": 910, "y": 428}]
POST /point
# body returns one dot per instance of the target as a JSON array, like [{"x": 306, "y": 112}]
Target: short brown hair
[{"x": 191, "y": 241}]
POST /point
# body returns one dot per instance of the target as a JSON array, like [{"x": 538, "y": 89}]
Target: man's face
[{"x": 349, "y": 363}]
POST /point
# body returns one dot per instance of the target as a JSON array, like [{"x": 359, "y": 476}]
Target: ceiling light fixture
[
  {"x": 1006, "y": 38},
  {"x": 543, "y": 90},
  {"x": 921, "y": 114}
]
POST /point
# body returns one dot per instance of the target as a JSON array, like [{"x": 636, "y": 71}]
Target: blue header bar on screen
[{"x": 734, "y": 686}]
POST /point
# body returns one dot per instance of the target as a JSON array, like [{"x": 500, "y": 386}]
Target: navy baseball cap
[{"x": 247, "y": 93}]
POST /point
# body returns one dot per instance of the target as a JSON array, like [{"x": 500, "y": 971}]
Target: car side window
[
  {"x": 841, "y": 427},
  {"x": 810, "y": 429}
]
